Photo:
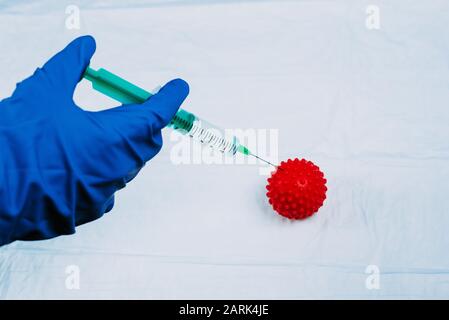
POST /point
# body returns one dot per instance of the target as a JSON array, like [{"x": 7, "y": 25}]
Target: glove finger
[{"x": 67, "y": 67}]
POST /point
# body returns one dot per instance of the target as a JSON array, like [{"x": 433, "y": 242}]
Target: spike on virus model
[{"x": 297, "y": 189}]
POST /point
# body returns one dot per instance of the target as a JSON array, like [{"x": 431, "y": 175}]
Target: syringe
[{"x": 184, "y": 122}]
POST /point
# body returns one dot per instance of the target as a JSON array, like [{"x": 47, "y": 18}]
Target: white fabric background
[{"x": 370, "y": 107}]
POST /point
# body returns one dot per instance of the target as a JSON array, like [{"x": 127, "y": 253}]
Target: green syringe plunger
[{"x": 184, "y": 122}]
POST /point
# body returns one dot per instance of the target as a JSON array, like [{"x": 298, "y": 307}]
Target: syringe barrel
[
  {"x": 183, "y": 122},
  {"x": 204, "y": 132}
]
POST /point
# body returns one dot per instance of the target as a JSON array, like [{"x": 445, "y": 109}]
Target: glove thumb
[
  {"x": 155, "y": 113},
  {"x": 139, "y": 125}
]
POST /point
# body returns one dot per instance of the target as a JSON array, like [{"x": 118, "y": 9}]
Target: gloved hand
[{"x": 60, "y": 165}]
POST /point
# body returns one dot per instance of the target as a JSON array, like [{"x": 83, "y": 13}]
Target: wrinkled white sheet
[{"x": 370, "y": 107}]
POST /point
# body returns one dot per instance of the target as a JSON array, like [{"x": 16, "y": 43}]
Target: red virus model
[{"x": 297, "y": 189}]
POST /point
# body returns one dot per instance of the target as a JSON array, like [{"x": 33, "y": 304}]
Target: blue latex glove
[{"x": 60, "y": 165}]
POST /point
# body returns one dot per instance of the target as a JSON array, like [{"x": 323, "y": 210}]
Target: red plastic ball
[{"x": 297, "y": 189}]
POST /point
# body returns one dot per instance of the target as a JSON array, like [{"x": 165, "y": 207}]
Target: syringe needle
[{"x": 268, "y": 162}]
